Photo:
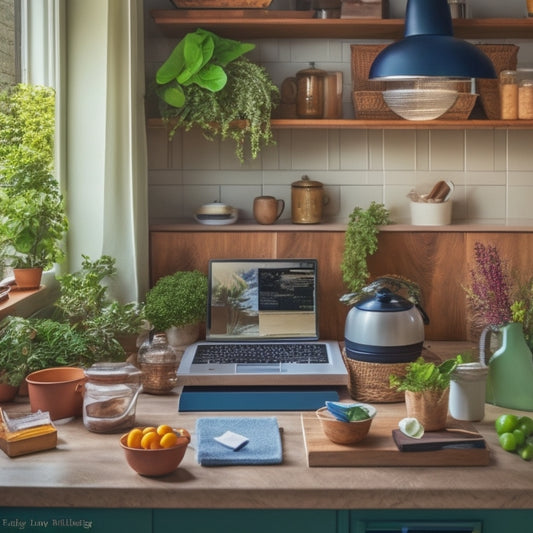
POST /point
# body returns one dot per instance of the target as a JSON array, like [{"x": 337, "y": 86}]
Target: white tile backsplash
[{"x": 492, "y": 169}]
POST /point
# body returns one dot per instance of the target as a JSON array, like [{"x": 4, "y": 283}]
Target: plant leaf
[
  {"x": 172, "y": 67},
  {"x": 227, "y": 50},
  {"x": 211, "y": 77},
  {"x": 174, "y": 96},
  {"x": 198, "y": 50}
]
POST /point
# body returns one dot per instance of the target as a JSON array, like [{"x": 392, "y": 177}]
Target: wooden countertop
[{"x": 89, "y": 470}]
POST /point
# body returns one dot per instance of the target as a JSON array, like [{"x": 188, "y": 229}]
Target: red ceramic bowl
[{"x": 153, "y": 462}]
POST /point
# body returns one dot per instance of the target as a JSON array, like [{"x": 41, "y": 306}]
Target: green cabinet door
[
  {"x": 245, "y": 521},
  {"x": 52, "y": 520}
]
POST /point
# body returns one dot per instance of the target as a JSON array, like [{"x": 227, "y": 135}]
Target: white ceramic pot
[{"x": 180, "y": 338}]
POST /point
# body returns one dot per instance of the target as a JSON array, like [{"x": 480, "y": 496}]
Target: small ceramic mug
[{"x": 268, "y": 209}]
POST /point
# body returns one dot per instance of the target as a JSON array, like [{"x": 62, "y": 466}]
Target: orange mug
[{"x": 268, "y": 209}]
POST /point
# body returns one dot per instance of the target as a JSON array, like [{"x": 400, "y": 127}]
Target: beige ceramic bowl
[
  {"x": 344, "y": 432},
  {"x": 153, "y": 462}
]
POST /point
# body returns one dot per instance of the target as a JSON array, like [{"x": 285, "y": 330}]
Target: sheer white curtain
[{"x": 92, "y": 53}]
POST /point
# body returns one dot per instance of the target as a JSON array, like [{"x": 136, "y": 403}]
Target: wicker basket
[
  {"x": 370, "y": 105},
  {"x": 367, "y": 95},
  {"x": 369, "y": 382},
  {"x": 503, "y": 57}
]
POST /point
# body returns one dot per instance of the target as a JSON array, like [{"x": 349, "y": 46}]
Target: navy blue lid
[{"x": 385, "y": 301}]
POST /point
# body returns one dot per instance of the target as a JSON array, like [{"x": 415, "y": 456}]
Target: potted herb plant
[
  {"x": 177, "y": 305},
  {"x": 206, "y": 83},
  {"x": 427, "y": 388},
  {"x": 32, "y": 213}
]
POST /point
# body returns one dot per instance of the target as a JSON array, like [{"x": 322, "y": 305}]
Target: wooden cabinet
[{"x": 437, "y": 260}]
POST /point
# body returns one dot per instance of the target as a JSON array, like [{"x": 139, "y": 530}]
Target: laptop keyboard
[{"x": 301, "y": 353}]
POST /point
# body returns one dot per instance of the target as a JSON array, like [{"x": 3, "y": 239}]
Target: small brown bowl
[
  {"x": 341, "y": 432},
  {"x": 153, "y": 462}
]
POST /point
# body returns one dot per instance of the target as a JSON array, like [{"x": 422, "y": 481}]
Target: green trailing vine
[
  {"x": 361, "y": 240},
  {"x": 206, "y": 83},
  {"x": 241, "y": 111}
]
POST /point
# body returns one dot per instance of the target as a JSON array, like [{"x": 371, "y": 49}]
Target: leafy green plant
[
  {"x": 16, "y": 336},
  {"x": 32, "y": 212},
  {"x": 27, "y": 129},
  {"x": 85, "y": 305},
  {"x": 32, "y": 226},
  {"x": 177, "y": 300},
  {"x": 83, "y": 331},
  {"x": 424, "y": 375},
  {"x": 236, "y": 105},
  {"x": 361, "y": 240},
  {"x": 199, "y": 58}
]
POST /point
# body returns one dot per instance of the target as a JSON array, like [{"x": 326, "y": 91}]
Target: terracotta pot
[
  {"x": 28, "y": 278},
  {"x": 57, "y": 390},
  {"x": 7, "y": 392},
  {"x": 182, "y": 337},
  {"x": 430, "y": 408}
]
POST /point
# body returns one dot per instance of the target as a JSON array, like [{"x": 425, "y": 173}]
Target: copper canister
[
  {"x": 310, "y": 92},
  {"x": 307, "y": 201}
]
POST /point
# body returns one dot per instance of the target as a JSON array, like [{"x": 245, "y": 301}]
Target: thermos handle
[{"x": 425, "y": 317}]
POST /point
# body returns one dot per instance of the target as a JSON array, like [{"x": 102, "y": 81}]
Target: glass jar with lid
[
  {"x": 508, "y": 95},
  {"x": 159, "y": 362},
  {"x": 525, "y": 93},
  {"x": 110, "y": 398}
]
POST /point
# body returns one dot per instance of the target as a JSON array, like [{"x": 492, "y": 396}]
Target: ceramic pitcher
[{"x": 510, "y": 376}]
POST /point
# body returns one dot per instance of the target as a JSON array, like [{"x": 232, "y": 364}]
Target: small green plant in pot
[
  {"x": 32, "y": 212},
  {"x": 427, "y": 387},
  {"x": 206, "y": 83},
  {"x": 178, "y": 300}
]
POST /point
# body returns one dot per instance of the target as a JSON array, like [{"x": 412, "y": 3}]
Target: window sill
[{"x": 26, "y": 303}]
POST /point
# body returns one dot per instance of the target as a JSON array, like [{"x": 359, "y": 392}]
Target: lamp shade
[{"x": 429, "y": 48}]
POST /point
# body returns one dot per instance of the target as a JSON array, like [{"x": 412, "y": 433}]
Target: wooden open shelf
[
  {"x": 281, "y": 124},
  {"x": 262, "y": 24}
]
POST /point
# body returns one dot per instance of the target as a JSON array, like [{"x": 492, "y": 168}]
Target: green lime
[
  {"x": 525, "y": 424},
  {"x": 526, "y": 452},
  {"x": 519, "y": 437},
  {"x": 506, "y": 423},
  {"x": 507, "y": 442}
]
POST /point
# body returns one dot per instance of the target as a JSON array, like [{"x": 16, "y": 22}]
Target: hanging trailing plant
[
  {"x": 206, "y": 83},
  {"x": 361, "y": 240}
]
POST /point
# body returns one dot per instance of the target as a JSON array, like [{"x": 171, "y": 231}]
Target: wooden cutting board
[{"x": 379, "y": 449}]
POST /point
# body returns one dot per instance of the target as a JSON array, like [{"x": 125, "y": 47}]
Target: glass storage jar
[
  {"x": 508, "y": 95},
  {"x": 525, "y": 93},
  {"x": 159, "y": 363},
  {"x": 110, "y": 397}
]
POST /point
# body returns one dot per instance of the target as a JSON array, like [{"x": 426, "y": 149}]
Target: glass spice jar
[
  {"x": 110, "y": 397},
  {"x": 508, "y": 95},
  {"x": 159, "y": 363}
]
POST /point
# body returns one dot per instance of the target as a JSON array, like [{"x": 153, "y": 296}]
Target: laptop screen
[{"x": 262, "y": 300}]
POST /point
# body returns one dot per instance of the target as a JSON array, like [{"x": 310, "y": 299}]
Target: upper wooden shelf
[
  {"x": 284, "y": 123},
  {"x": 260, "y": 24}
]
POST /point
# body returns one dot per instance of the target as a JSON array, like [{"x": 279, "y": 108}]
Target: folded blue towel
[{"x": 264, "y": 446}]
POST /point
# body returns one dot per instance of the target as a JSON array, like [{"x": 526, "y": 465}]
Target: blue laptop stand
[{"x": 260, "y": 398}]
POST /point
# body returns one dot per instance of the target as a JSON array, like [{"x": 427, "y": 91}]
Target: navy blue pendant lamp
[{"x": 429, "y": 48}]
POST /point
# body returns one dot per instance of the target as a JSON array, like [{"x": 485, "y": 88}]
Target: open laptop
[{"x": 268, "y": 307}]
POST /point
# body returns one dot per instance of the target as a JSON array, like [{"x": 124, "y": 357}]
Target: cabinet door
[
  {"x": 47, "y": 520},
  {"x": 245, "y": 521}
]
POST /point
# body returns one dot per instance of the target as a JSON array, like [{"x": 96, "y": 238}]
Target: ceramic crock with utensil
[
  {"x": 308, "y": 200},
  {"x": 384, "y": 328}
]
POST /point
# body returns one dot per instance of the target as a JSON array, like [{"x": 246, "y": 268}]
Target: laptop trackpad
[{"x": 249, "y": 368}]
